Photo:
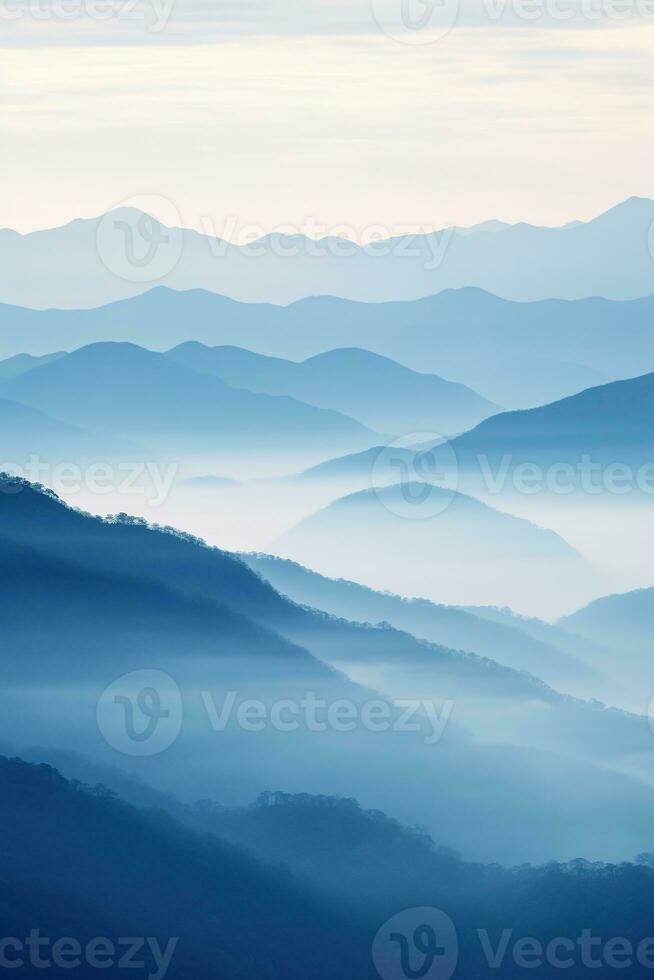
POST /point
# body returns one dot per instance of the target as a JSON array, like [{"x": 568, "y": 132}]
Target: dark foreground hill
[
  {"x": 78, "y": 863},
  {"x": 295, "y": 886}
]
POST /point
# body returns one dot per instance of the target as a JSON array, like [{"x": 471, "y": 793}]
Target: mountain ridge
[
  {"x": 572, "y": 262},
  {"x": 527, "y": 353},
  {"x": 351, "y": 380}
]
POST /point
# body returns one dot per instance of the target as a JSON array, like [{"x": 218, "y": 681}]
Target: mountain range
[
  {"x": 315, "y": 874},
  {"x": 554, "y": 656},
  {"x": 74, "y": 862},
  {"x": 606, "y": 428},
  {"x": 121, "y": 389},
  {"x": 207, "y": 621},
  {"x": 21, "y": 363},
  {"x": 525, "y": 354},
  {"x": 379, "y": 393},
  {"x": 25, "y": 430},
  {"x": 97, "y": 260}
]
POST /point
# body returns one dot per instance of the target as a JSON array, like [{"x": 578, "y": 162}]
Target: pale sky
[{"x": 334, "y": 116}]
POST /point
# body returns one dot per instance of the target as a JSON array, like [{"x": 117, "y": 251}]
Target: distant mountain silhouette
[
  {"x": 72, "y": 266},
  {"x": 125, "y": 389},
  {"x": 621, "y": 628},
  {"x": 415, "y": 537},
  {"x": 617, "y": 620},
  {"x": 357, "y": 468},
  {"x": 525, "y": 354},
  {"x": 493, "y": 534},
  {"x": 378, "y": 392},
  {"x": 551, "y": 634},
  {"x": 21, "y": 363},
  {"x": 379, "y": 466},
  {"x": 25, "y": 431}
]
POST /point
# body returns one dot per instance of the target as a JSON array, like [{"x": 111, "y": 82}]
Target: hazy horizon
[
  {"x": 204, "y": 225},
  {"x": 287, "y": 112}
]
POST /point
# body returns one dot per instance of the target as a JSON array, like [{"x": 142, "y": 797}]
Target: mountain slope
[
  {"x": 422, "y": 539},
  {"x": 168, "y": 603},
  {"x": 621, "y": 628},
  {"x": 26, "y": 431},
  {"x": 74, "y": 863},
  {"x": 617, "y": 619},
  {"x": 378, "y": 392},
  {"x": 613, "y": 417},
  {"x": 444, "y": 625},
  {"x": 333, "y": 873},
  {"x": 21, "y": 363},
  {"x": 551, "y": 634},
  {"x": 177, "y": 641},
  {"x": 491, "y": 533},
  {"x": 125, "y": 389},
  {"x": 601, "y": 439}
]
